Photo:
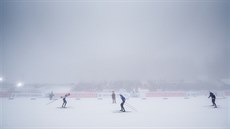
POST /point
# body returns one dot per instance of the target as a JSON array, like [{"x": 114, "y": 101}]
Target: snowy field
[{"x": 152, "y": 113}]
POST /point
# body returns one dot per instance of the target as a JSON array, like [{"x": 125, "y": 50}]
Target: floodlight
[{"x": 19, "y": 84}]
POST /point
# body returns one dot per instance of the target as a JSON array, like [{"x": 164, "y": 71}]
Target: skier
[
  {"x": 213, "y": 99},
  {"x": 64, "y": 100},
  {"x": 114, "y": 97},
  {"x": 123, "y": 102},
  {"x": 51, "y": 95}
]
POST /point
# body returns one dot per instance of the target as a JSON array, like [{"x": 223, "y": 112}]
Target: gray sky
[{"x": 60, "y": 42}]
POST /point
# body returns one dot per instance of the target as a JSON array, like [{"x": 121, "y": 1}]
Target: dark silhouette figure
[
  {"x": 213, "y": 99},
  {"x": 114, "y": 97},
  {"x": 123, "y": 102},
  {"x": 51, "y": 95},
  {"x": 64, "y": 100}
]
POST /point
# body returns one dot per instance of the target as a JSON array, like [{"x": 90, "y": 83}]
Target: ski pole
[
  {"x": 130, "y": 106},
  {"x": 68, "y": 94},
  {"x": 52, "y": 101}
]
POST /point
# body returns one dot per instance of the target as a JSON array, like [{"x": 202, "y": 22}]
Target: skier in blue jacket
[
  {"x": 213, "y": 99},
  {"x": 123, "y": 102}
]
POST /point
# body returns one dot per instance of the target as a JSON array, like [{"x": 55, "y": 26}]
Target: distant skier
[
  {"x": 51, "y": 95},
  {"x": 64, "y": 100},
  {"x": 114, "y": 97},
  {"x": 123, "y": 102},
  {"x": 213, "y": 99}
]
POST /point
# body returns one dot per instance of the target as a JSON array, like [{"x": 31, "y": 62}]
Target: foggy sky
[{"x": 61, "y": 42}]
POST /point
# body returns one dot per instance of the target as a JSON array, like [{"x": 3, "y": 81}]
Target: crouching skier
[
  {"x": 64, "y": 100},
  {"x": 123, "y": 102}
]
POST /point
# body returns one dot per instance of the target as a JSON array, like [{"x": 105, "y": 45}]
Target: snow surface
[{"x": 152, "y": 113}]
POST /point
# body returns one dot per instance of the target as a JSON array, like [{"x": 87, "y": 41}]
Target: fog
[{"x": 71, "y": 41}]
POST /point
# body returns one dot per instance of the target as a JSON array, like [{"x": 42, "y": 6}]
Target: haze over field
[{"x": 68, "y": 41}]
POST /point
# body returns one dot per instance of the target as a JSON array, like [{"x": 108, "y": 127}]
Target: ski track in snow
[{"x": 152, "y": 113}]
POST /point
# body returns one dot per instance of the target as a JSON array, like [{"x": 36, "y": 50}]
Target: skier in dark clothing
[
  {"x": 64, "y": 100},
  {"x": 213, "y": 99},
  {"x": 123, "y": 102},
  {"x": 51, "y": 95}
]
